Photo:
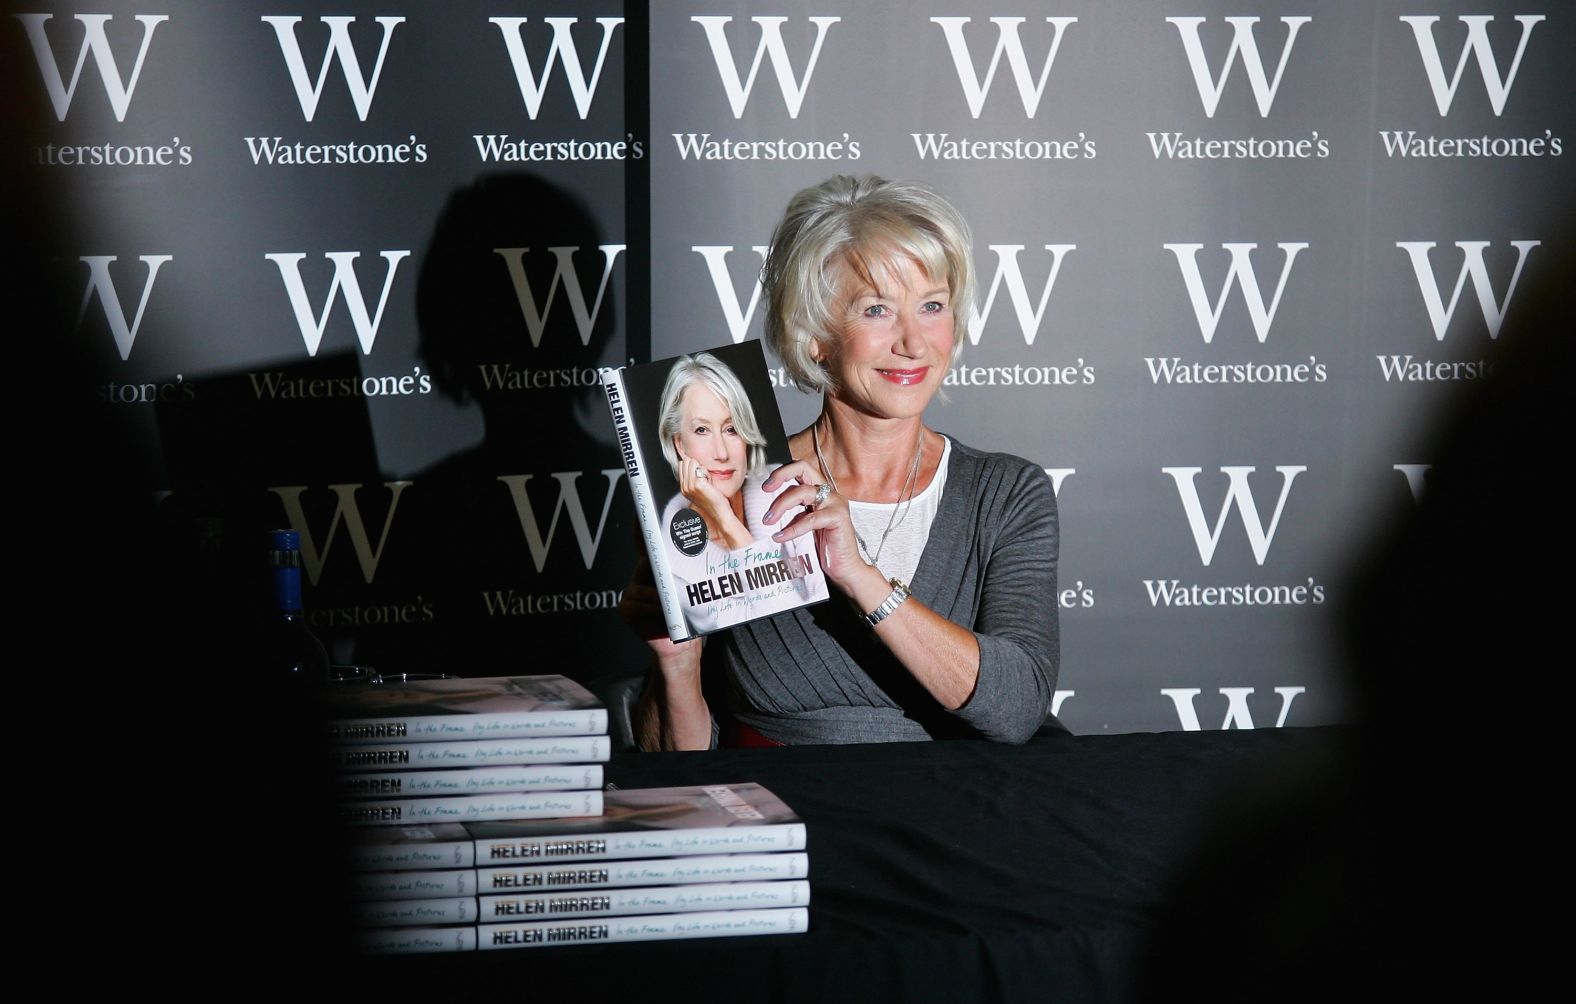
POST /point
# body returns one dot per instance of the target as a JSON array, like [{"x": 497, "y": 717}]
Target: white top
[{"x": 899, "y": 556}]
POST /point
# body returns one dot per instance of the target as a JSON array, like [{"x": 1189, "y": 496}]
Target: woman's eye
[
  {"x": 875, "y": 310},
  {"x": 701, "y": 431},
  {"x": 934, "y": 307}
]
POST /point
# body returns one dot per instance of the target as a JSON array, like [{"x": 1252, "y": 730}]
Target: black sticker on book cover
[{"x": 688, "y": 531}]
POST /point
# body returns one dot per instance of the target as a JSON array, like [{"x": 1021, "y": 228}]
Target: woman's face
[
  {"x": 896, "y": 342},
  {"x": 708, "y": 437}
]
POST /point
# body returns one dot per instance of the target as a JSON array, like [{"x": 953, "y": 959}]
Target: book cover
[
  {"x": 545, "y": 933},
  {"x": 649, "y": 822},
  {"x": 489, "y": 707},
  {"x": 685, "y": 821},
  {"x": 473, "y": 753},
  {"x": 699, "y": 434}
]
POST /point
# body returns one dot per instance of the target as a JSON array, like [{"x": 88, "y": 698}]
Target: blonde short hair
[
  {"x": 706, "y": 369},
  {"x": 870, "y": 222}
]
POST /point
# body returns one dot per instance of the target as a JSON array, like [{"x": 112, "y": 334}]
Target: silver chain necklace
[{"x": 892, "y": 521}]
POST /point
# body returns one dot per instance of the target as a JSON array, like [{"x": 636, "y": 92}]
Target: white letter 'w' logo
[
  {"x": 1237, "y": 713},
  {"x": 1476, "y": 44},
  {"x": 1242, "y": 40},
  {"x": 99, "y": 282},
  {"x": 563, "y": 49},
  {"x": 565, "y": 277},
  {"x": 361, "y": 89},
  {"x": 738, "y": 317},
  {"x": 1241, "y": 271},
  {"x": 60, "y": 92},
  {"x": 1239, "y": 495},
  {"x": 312, "y": 326},
  {"x": 771, "y": 44},
  {"x": 1007, "y": 270},
  {"x": 1471, "y": 264},
  {"x": 568, "y": 500},
  {"x": 974, "y": 90},
  {"x": 346, "y": 512}
]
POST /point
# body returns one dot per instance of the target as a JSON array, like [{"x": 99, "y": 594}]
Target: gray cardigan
[{"x": 819, "y": 675}]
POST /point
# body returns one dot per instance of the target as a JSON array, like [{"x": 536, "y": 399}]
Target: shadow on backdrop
[{"x": 527, "y": 535}]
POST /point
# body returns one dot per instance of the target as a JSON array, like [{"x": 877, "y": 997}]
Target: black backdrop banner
[{"x": 355, "y": 273}]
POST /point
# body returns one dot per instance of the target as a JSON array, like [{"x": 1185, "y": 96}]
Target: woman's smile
[{"x": 905, "y": 378}]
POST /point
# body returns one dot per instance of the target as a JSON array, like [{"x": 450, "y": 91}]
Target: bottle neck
[{"x": 287, "y": 583}]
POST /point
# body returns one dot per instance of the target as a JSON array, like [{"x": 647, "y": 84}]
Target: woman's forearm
[
  {"x": 672, "y": 713},
  {"x": 942, "y": 656}
]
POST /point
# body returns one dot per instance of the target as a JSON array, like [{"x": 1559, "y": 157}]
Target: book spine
[
  {"x": 473, "y": 808},
  {"x": 476, "y": 781},
  {"x": 438, "y": 884},
  {"x": 657, "y": 927},
  {"x": 416, "y": 912},
  {"x": 495, "y": 725},
  {"x": 544, "y": 934},
  {"x": 642, "y": 844},
  {"x": 655, "y": 899},
  {"x": 411, "y": 856},
  {"x": 474, "y": 753},
  {"x": 653, "y": 871},
  {"x": 412, "y": 940},
  {"x": 645, "y": 506}
]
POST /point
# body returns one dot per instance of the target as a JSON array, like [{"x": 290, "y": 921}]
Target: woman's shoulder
[
  {"x": 1002, "y": 491},
  {"x": 986, "y": 465}
]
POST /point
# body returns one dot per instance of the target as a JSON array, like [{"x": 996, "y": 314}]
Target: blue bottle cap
[{"x": 284, "y": 540}]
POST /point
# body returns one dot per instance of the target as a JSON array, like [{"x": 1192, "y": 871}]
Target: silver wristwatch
[{"x": 897, "y": 596}]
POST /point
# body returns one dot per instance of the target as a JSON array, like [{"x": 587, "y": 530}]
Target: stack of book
[
  {"x": 467, "y": 750},
  {"x": 660, "y": 863}
]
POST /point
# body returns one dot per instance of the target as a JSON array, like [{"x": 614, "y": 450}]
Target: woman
[
  {"x": 718, "y": 455},
  {"x": 944, "y": 556}
]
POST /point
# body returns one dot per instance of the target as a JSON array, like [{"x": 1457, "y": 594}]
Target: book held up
[{"x": 699, "y": 434}]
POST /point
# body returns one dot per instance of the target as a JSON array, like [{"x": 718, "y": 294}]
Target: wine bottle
[{"x": 293, "y": 651}]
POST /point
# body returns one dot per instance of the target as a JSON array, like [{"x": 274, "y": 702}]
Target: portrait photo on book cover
[{"x": 712, "y": 417}]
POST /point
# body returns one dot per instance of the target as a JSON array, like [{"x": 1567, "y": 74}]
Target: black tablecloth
[{"x": 955, "y": 871}]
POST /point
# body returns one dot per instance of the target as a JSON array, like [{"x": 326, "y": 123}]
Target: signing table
[{"x": 961, "y": 871}]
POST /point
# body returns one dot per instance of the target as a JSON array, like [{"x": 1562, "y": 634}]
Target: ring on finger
[
  {"x": 822, "y": 490},
  {"x": 700, "y": 473}
]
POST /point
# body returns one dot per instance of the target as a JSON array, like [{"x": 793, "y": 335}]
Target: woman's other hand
[
  {"x": 837, "y": 545},
  {"x": 641, "y": 608},
  {"x": 672, "y": 714}
]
